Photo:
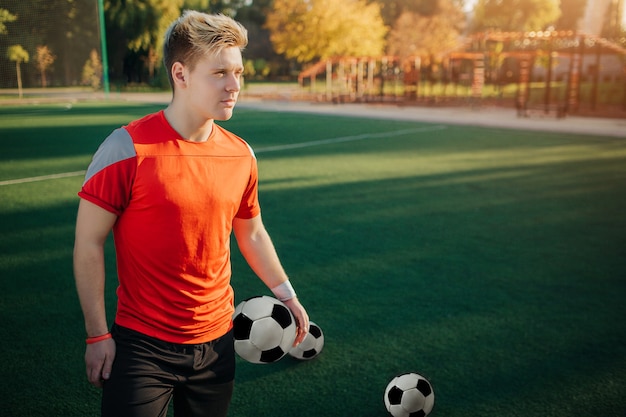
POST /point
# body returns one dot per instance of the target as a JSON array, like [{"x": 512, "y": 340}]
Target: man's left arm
[{"x": 257, "y": 248}]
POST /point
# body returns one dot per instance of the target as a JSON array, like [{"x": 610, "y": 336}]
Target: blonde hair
[{"x": 195, "y": 34}]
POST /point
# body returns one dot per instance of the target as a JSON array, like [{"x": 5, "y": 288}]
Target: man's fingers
[
  {"x": 94, "y": 376},
  {"x": 106, "y": 369},
  {"x": 99, "y": 359},
  {"x": 301, "y": 331}
]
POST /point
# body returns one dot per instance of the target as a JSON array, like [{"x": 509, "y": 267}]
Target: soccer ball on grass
[
  {"x": 409, "y": 395},
  {"x": 264, "y": 329},
  {"x": 311, "y": 346}
]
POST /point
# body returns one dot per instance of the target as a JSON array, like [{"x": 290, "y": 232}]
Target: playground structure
[{"x": 557, "y": 72}]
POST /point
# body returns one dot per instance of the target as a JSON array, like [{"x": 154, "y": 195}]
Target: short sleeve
[{"x": 110, "y": 175}]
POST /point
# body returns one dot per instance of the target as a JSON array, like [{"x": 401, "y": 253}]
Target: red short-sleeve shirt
[{"x": 175, "y": 202}]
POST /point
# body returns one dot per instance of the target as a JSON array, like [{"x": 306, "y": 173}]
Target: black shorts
[{"x": 147, "y": 373}]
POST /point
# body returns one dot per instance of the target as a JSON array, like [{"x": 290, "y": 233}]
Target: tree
[
  {"x": 391, "y": 10},
  {"x": 67, "y": 27},
  {"x": 307, "y": 30},
  {"x": 92, "y": 70},
  {"x": 228, "y": 7},
  {"x": 5, "y": 16},
  {"x": 515, "y": 15},
  {"x": 143, "y": 24},
  {"x": 416, "y": 34},
  {"x": 253, "y": 16},
  {"x": 18, "y": 54},
  {"x": 44, "y": 60},
  {"x": 612, "y": 22},
  {"x": 571, "y": 12}
]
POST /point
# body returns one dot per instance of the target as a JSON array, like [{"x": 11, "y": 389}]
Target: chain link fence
[{"x": 49, "y": 43}]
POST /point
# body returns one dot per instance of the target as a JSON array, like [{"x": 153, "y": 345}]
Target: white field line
[
  {"x": 260, "y": 150},
  {"x": 43, "y": 178},
  {"x": 364, "y": 136}
]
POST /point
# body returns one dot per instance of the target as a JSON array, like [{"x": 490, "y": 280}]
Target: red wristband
[{"x": 96, "y": 339}]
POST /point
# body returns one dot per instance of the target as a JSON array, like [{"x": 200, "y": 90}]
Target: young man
[{"x": 172, "y": 186}]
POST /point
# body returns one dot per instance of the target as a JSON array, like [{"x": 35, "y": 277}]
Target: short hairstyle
[{"x": 195, "y": 34}]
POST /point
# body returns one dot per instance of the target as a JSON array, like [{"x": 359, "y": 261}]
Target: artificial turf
[{"x": 491, "y": 261}]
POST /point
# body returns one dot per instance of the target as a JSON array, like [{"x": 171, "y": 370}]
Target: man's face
[{"x": 214, "y": 84}]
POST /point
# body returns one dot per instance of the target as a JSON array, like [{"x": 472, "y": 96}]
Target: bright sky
[{"x": 469, "y": 4}]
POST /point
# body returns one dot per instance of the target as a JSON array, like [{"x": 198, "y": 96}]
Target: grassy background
[{"x": 491, "y": 261}]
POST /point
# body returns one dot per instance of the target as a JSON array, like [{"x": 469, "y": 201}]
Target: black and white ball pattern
[
  {"x": 311, "y": 346},
  {"x": 409, "y": 395},
  {"x": 264, "y": 329}
]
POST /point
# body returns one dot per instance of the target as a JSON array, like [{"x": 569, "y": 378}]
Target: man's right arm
[{"x": 93, "y": 225}]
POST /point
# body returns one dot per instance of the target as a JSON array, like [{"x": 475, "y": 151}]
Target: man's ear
[{"x": 179, "y": 74}]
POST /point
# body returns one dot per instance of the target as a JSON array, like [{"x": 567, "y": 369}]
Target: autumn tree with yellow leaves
[
  {"x": 308, "y": 30},
  {"x": 44, "y": 60},
  {"x": 516, "y": 15},
  {"x": 434, "y": 34}
]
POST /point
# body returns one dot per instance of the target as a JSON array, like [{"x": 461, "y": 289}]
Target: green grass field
[{"x": 491, "y": 261}]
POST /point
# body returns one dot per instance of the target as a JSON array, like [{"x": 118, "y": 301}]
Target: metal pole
[
  {"x": 329, "y": 80},
  {"x": 103, "y": 43},
  {"x": 548, "y": 84},
  {"x": 596, "y": 76}
]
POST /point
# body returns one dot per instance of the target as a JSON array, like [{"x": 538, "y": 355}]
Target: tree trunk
[{"x": 19, "y": 78}]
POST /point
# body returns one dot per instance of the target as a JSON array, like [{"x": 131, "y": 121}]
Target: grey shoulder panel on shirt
[{"x": 117, "y": 147}]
